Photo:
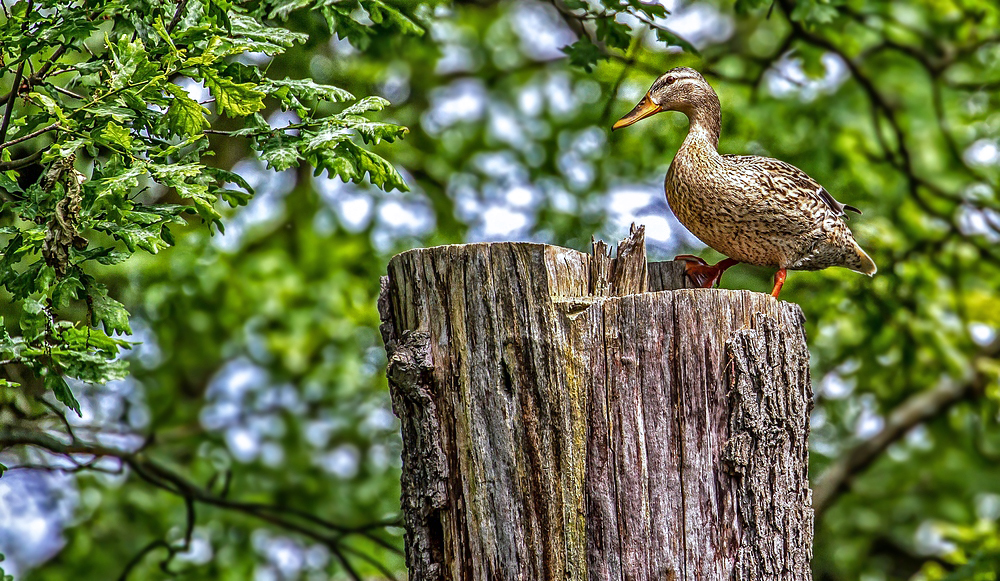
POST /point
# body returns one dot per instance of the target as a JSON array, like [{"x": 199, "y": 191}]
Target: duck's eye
[{"x": 669, "y": 80}]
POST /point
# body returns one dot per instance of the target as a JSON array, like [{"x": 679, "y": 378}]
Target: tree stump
[{"x": 573, "y": 416}]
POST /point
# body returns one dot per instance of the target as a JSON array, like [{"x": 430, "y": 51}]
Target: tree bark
[{"x": 560, "y": 421}]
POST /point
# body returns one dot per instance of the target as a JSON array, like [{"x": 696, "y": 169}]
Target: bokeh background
[{"x": 260, "y": 361}]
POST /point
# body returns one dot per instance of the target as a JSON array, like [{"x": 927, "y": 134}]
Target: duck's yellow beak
[{"x": 644, "y": 109}]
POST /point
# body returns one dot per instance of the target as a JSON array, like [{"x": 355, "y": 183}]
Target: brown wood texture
[{"x": 560, "y": 421}]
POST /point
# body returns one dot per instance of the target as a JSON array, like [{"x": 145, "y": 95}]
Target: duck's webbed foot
[{"x": 703, "y": 274}]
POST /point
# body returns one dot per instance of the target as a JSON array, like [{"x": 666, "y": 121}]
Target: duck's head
[{"x": 681, "y": 89}]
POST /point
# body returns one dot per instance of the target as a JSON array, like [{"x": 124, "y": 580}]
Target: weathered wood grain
[{"x": 561, "y": 422}]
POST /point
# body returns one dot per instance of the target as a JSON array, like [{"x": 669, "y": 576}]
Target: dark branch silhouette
[{"x": 330, "y": 534}]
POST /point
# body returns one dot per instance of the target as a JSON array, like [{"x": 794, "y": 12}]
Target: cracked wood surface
[{"x": 560, "y": 421}]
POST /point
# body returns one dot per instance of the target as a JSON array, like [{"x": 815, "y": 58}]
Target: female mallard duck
[{"x": 753, "y": 209}]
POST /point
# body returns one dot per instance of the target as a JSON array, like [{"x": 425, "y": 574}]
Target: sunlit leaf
[
  {"x": 185, "y": 116},
  {"x": 108, "y": 311},
  {"x": 234, "y": 99}
]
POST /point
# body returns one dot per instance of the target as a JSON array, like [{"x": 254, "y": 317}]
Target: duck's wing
[
  {"x": 825, "y": 240},
  {"x": 791, "y": 179}
]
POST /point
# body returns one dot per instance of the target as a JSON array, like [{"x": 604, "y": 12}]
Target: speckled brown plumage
[{"x": 753, "y": 209}]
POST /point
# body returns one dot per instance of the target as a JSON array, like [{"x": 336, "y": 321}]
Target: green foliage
[
  {"x": 327, "y": 145},
  {"x": 123, "y": 107},
  {"x": 3, "y": 576},
  {"x": 745, "y": 6},
  {"x": 584, "y": 53},
  {"x": 815, "y": 12},
  {"x": 976, "y": 556},
  {"x": 611, "y": 32}
]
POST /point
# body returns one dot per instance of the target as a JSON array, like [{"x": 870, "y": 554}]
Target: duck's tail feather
[{"x": 865, "y": 264}]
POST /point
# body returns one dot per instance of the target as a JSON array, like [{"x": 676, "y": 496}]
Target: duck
[{"x": 752, "y": 209}]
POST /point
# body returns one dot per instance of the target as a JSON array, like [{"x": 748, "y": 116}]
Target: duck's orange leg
[
  {"x": 779, "y": 280},
  {"x": 703, "y": 274}
]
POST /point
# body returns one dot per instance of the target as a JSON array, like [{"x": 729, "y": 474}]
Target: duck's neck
[{"x": 705, "y": 118}]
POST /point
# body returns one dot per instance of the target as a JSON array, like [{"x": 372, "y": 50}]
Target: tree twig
[
  {"x": 67, "y": 92},
  {"x": 374, "y": 563},
  {"x": 135, "y": 560},
  {"x": 29, "y": 136},
  {"x": 24, "y": 161},
  {"x": 9, "y": 110},
  {"x": 43, "y": 72},
  {"x": 181, "y": 5},
  {"x": 162, "y": 477}
]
